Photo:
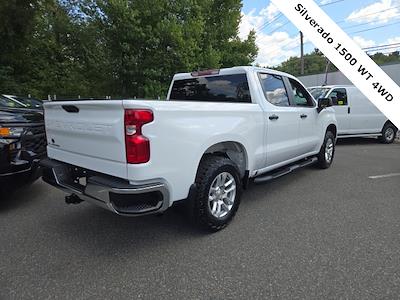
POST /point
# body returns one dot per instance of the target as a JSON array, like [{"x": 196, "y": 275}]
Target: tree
[
  {"x": 115, "y": 47},
  {"x": 316, "y": 62}
]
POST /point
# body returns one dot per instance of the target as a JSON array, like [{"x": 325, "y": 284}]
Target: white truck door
[
  {"x": 342, "y": 107},
  {"x": 307, "y": 116},
  {"x": 281, "y": 121}
]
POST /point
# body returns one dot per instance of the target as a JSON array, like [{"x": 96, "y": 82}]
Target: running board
[
  {"x": 359, "y": 135},
  {"x": 281, "y": 172}
]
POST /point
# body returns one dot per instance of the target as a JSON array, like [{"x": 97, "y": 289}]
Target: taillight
[{"x": 137, "y": 145}]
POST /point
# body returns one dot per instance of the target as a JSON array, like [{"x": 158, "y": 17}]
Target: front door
[
  {"x": 307, "y": 116},
  {"x": 342, "y": 110},
  {"x": 281, "y": 121}
]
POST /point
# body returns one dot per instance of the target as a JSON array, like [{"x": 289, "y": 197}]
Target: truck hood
[{"x": 13, "y": 115}]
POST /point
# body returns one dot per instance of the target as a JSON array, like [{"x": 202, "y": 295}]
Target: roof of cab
[
  {"x": 234, "y": 70},
  {"x": 332, "y": 86}
]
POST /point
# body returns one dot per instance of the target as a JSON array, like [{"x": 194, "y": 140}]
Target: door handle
[
  {"x": 303, "y": 116},
  {"x": 273, "y": 117},
  {"x": 348, "y": 110}
]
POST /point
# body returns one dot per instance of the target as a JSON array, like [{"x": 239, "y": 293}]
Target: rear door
[
  {"x": 89, "y": 134},
  {"x": 281, "y": 121},
  {"x": 341, "y": 105}
]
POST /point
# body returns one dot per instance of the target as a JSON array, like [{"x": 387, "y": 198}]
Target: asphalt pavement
[{"x": 313, "y": 234}]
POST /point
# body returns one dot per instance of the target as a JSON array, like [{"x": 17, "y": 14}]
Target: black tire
[
  {"x": 323, "y": 161},
  {"x": 210, "y": 168},
  {"x": 389, "y": 132}
]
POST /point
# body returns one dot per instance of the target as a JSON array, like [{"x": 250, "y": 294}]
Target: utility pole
[
  {"x": 328, "y": 62},
  {"x": 301, "y": 53}
]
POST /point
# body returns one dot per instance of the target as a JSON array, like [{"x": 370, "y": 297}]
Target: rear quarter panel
[{"x": 182, "y": 131}]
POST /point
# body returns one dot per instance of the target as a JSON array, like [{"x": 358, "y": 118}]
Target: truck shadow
[
  {"x": 14, "y": 195},
  {"x": 100, "y": 231},
  {"x": 358, "y": 141},
  {"x": 89, "y": 228}
]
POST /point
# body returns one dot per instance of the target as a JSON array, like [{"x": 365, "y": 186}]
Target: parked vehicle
[
  {"x": 356, "y": 115},
  {"x": 218, "y": 130},
  {"x": 25, "y": 102},
  {"x": 22, "y": 143}
]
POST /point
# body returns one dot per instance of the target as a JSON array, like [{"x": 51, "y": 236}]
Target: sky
[{"x": 278, "y": 39}]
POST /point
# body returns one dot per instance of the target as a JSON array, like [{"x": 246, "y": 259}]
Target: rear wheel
[
  {"x": 388, "y": 134},
  {"x": 327, "y": 152},
  {"x": 219, "y": 190}
]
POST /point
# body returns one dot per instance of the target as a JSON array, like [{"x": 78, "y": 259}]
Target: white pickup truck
[{"x": 218, "y": 130}]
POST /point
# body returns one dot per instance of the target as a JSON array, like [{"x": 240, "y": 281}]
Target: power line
[
  {"x": 370, "y": 14},
  {"x": 369, "y": 29},
  {"x": 266, "y": 24},
  {"x": 374, "y": 28},
  {"x": 344, "y": 20},
  {"x": 388, "y": 45},
  {"x": 383, "y": 49},
  {"x": 362, "y": 24}
]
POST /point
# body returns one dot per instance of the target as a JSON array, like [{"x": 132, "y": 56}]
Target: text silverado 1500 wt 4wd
[{"x": 218, "y": 130}]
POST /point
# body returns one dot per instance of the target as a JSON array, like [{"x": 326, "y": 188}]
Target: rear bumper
[{"x": 111, "y": 193}]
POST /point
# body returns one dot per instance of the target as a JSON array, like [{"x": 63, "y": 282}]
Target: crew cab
[
  {"x": 356, "y": 115},
  {"x": 216, "y": 131},
  {"x": 22, "y": 144}
]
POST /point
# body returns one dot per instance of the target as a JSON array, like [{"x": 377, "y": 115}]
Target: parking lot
[{"x": 312, "y": 234}]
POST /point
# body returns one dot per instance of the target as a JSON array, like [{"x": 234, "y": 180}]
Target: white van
[{"x": 355, "y": 114}]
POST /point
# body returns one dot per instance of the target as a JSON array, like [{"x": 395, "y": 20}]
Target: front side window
[
  {"x": 300, "y": 95},
  {"x": 274, "y": 89},
  {"x": 221, "y": 88},
  {"x": 338, "y": 97}
]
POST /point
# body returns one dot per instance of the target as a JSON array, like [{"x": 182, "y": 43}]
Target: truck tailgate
[{"x": 89, "y": 134}]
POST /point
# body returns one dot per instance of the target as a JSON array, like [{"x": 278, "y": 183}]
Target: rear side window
[
  {"x": 339, "y": 97},
  {"x": 274, "y": 89},
  {"x": 227, "y": 88}
]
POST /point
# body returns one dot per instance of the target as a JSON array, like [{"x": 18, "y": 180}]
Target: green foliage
[
  {"x": 122, "y": 48},
  {"x": 316, "y": 63}
]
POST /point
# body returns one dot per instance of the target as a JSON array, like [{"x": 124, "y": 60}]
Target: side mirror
[{"x": 324, "y": 103}]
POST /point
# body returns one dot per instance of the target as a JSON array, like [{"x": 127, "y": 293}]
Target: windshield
[
  {"x": 6, "y": 102},
  {"x": 319, "y": 92},
  {"x": 29, "y": 102}
]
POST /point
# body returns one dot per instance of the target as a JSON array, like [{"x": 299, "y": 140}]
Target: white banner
[{"x": 342, "y": 51}]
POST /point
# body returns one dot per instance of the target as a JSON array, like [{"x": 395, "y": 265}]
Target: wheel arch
[
  {"x": 332, "y": 128},
  {"x": 233, "y": 150},
  {"x": 388, "y": 122}
]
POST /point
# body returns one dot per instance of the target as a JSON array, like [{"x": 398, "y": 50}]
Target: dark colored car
[
  {"x": 22, "y": 144},
  {"x": 23, "y": 102}
]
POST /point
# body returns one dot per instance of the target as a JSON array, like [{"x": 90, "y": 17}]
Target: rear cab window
[{"x": 220, "y": 88}]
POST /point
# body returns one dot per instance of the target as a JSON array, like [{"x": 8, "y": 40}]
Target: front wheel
[
  {"x": 388, "y": 134},
  {"x": 327, "y": 152},
  {"x": 219, "y": 190}
]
